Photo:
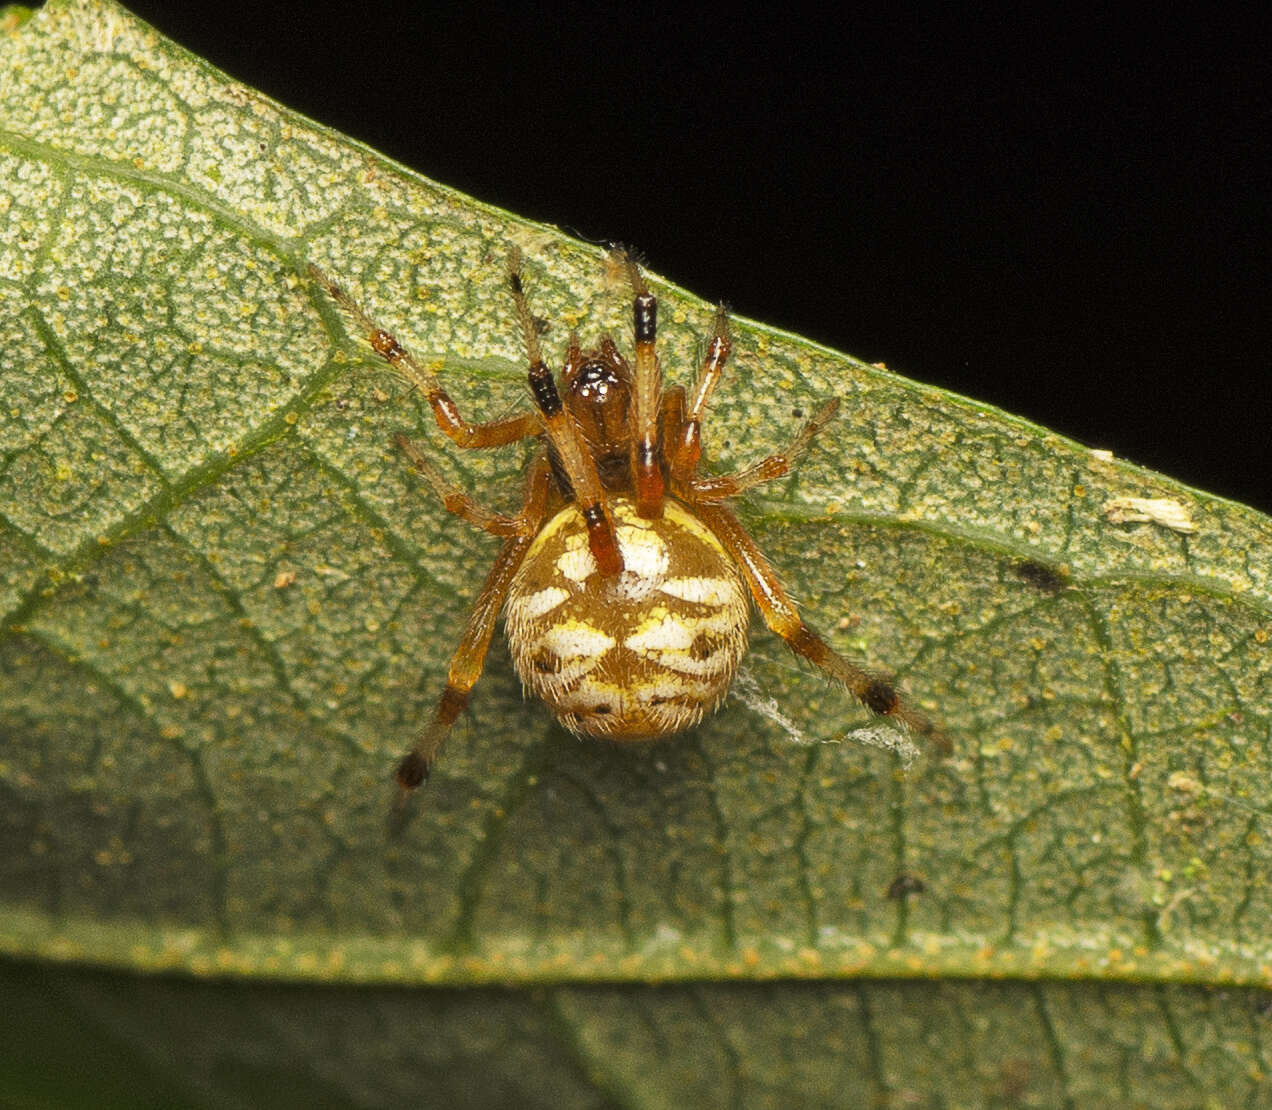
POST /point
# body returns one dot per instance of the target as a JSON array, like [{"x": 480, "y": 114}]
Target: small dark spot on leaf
[
  {"x": 904, "y": 885},
  {"x": 1049, "y": 580}
]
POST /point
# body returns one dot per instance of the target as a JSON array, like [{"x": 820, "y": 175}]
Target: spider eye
[{"x": 595, "y": 381}]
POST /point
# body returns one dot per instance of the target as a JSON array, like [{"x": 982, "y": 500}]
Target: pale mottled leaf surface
[{"x": 228, "y": 604}]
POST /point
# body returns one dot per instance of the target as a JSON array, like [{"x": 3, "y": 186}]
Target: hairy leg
[
  {"x": 775, "y": 466},
  {"x": 470, "y": 655},
  {"x": 564, "y": 435},
  {"x": 493, "y": 433},
  {"x": 781, "y": 614}
]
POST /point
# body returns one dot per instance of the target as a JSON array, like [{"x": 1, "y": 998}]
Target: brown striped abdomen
[{"x": 640, "y": 656}]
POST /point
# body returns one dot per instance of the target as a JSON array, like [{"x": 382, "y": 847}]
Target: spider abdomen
[{"x": 637, "y": 656}]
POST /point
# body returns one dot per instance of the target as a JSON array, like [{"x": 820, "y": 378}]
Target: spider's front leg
[
  {"x": 572, "y": 451},
  {"x": 646, "y": 393},
  {"x": 492, "y": 433}
]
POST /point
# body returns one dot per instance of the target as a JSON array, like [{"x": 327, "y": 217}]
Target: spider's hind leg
[
  {"x": 466, "y": 665},
  {"x": 470, "y": 655},
  {"x": 876, "y": 692}
]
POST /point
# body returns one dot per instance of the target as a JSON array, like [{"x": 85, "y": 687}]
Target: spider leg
[
  {"x": 457, "y": 501},
  {"x": 685, "y": 449},
  {"x": 781, "y": 614},
  {"x": 775, "y": 466},
  {"x": 647, "y": 382},
  {"x": 565, "y": 438},
  {"x": 671, "y": 414},
  {"x": 493, "y": 433},
  {"x": 470, "y": 656}
]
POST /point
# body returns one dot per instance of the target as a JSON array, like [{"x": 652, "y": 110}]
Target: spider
[{"x": 624, "y": 579}]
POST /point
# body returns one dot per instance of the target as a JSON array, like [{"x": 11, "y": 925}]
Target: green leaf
[{"x": 228, "y": 605}]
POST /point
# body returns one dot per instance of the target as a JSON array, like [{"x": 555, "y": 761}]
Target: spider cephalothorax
[{"x": 624, "y": 579}]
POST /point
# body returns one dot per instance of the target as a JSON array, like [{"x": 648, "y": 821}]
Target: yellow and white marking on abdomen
[{"x": 644, "y": 655}]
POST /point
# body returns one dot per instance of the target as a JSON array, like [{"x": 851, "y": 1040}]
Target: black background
[{"x": 1064, "y": 215}]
